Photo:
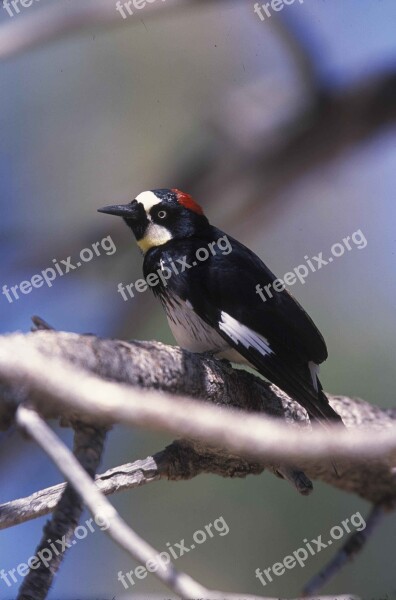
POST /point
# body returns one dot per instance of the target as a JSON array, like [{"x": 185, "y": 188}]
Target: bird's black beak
[{"x": 128, "y": 211}]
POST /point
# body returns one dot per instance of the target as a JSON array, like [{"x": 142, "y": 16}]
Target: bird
[{"x": 208, "y": 284}]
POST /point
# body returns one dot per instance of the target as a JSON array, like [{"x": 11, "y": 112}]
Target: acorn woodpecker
[{"x": 209, "y": 293}]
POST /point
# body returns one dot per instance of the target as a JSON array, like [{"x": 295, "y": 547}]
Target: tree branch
[
  {"x": 180, "y": 583},
  {"x": 183, "y": 585},
  {"x": 178, "y": 461},
  {"x": 58, "y": 389},
  {"x": 353, "y": 546},
  {"x": 88, "y": 449},
  {"x": 65, "y": 18},
  {"x": 254, "y": 177},
  {"x": 118, "y": 479}
]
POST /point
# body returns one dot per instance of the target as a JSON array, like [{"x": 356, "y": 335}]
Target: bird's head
[{"x": 158, "y": 216}]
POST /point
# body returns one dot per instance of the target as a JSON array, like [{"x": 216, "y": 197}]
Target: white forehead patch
[{"x": 148, "y": 199}]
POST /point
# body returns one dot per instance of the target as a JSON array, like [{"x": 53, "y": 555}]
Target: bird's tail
[
  {"x": 318, "y": 407},
  {"x": 325, "y": 414},
  {"x": 330, "y": 417},
  {"x": 305, "y": 387}
]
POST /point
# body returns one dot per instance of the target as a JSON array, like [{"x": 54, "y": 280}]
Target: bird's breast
[{"x": 190, "y": 331}]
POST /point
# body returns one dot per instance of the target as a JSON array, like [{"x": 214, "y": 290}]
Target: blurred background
[{"x": 283, "y": 130}]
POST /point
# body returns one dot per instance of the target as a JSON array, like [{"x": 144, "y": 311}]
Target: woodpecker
[{"x": 212, "y": 305}]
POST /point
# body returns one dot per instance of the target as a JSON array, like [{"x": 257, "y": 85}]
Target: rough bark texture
[{"x": 154, "y": 365}]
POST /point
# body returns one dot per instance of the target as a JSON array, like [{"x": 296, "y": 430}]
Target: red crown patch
[{"x": 187, "y": 201}]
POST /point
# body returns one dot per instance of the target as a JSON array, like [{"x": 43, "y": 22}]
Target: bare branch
[
  {"x": 353, "y": 545},
  {"x": 118, "y": 479},
  {"x": 88, "y": 449},
  {"x": 64, "y": 18},
  {"x": 180, "y": 583},
  {"x": 117, "y": 529},
  {"x": 87, "y": 395},
  {"x": 254, "y": 178},
  {"x": 57, "y": 388},
  {"x": 179, "y": 461}
]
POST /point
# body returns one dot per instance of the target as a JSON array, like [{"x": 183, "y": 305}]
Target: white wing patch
[
  {"x": 240, "y": 334},
  {"x": 148, "y": 199},
  {"x": 314, "y": 370}
]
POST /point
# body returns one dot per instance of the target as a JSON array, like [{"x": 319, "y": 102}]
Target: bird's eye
[{"x": 162, "y": 214}]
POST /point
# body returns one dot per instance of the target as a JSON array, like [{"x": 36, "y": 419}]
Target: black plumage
[{"x": 213, "y": 305}]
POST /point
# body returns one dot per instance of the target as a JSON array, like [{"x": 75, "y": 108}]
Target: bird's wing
[
  {"x": 227, "y": 283},
  {"x": 276, "y": 336}
]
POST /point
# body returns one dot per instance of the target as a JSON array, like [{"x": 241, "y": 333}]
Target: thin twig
[
  {"x": 118, "y": 479},
  {"x": 353, "y": 546},
  {"x": 28, "y": 420},
  {"x": 40, "y": 325},
  {"x": 178, "y": 461},
  {"x": 88, "y": 449}
]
